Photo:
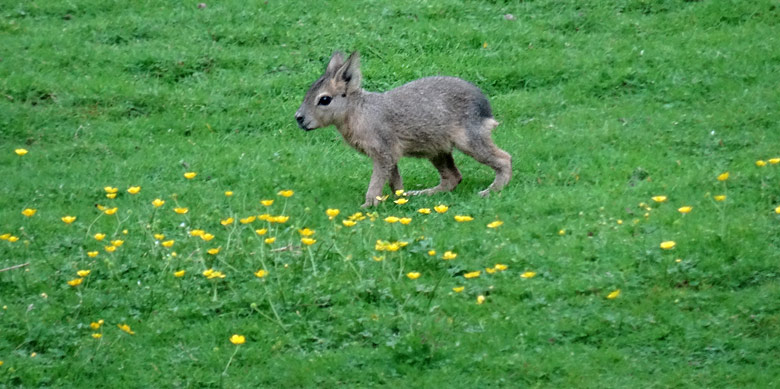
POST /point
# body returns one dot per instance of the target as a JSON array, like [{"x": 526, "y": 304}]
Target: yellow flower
[
  {"x": 391, "y": 219},
  {"x": 20, "y": 152},
  {"x": 401, "y": 201},
  {"x": 110, "y": 189},
  {"x": 117, "y": 242},
  {"x": 75, "y": 282},
  {"x": 125, "y": 328},
  {"x": 5, "y": 236},
  {"x": 760, "y": 163},
  {"x": 197, "y": 232},
  {"x": 306, "y": 232},
  {"x": 270, "y": 240},
  {"x": 431, "y": 252},
  {"x": 331, "y": 212},
  {"x": 13, "y": 238},
  {"x": 561, "y": 232},
  {"x": 110, "y": 249},
  {"x": 83, "y": 273},
  {"x": 723, "y": 176},
  {"x": 92, "y": 254},
  {"x": 226, "y": 222},
  {"x": 382, "y": 198},
  {"x": 237, "y": 339},
  {"x": 659, "y": 199},
  {"x": 668, "y": 245},
  {"x": 286, "y": 193},
  {"x": 96, "y": 325},
  {"x": 228, "y": 193},
  {"x": 379, "y": 258},
  {"x": 265, "y": 217},
  {"x": 719, "y": 197},
  {"x": 213, "y": 251},
  {"x": 399, "y": 192},
  {"x": 97, "y": 335},
  {"x": 405, "y": 220},
  {"x": 774, "y": 161},
  {"x": 458, "y": 289},
  {"x": 29, "y": 212},
  {"x": 190, "y": 175},
  {"x": 181, "y": 210},
  {"x": 441, "y": 208},
  {"x": 614, "y": 294},
  {"x": 159, "y": 236},
  {"x": 448, "y": 255},
  {"x": 280, "y": 219},
  {"x": 392, "y": 246},
  {"x": 261, "y": 231},
  {"x": 777, "y": 210},
  {"x": 490, "y": 270},
  {"x": 159, "y": 203},
  {"x": 348, "y": 223},
  {"x": 179, "y": 274},
  {"x": 99, "y": 236},
  {"x": 619, "y": 221},
  {"x": 480, "y": 299},
  {"x": 111, "y": 195},
  {"x": 685, "y": 209},
  {"x": 267, "y": 203},
  {"x": 424, "y": 211},
  {"x": 463, "y": 218},
  {"x": 413, "y": 275},
  {"x": 110, "y": 211},
  {"x": 207, "y": 237},
  {"x": 495, "y": 224},
  {"x": 500, "y": 267},
  {"x": 134, "y": 189},
  {"x": 68, "y": 219},
  {"x": 308, "y": 241},
  {"x": 357, "y": 216},
  {"x": 247, "y": 219},
  {"x": 528, "y": 274},
  {"x": 473, "y": 274},
  {"x": 261, "y": 273}
]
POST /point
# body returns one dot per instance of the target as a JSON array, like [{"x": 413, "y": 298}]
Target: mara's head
[{"x": 326, "y": 101}]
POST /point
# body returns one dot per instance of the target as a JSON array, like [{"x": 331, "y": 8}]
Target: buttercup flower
[
  {"x": 382, "y": 198},
  {"x": 528, "y": 274},
  {"x": 261, "y": 231},
  {"x": 213, "y": 251},
  {"x": 472, "y": 274},
  {"x": 685, "y": 209},
  {"x": 159, "y": 236},
  {"x": 68, "y": 219},
  {"x": 134, "y": 189},
  {"x": 96, "y": 325},
  {"x": 181, "y": 210},
  {"x": 424, "y": 211},
  {"x": 463, "y": 218},
  {"x": 401, "y": 201},
  {"x": 391, "y": 219},
  {"x": 111, "y": 195},
  {"x": 158, "y": 203},
  {"x": 228, "y": 193},
  {"x": 448, "y": 255},
  {"x": 561, "y": 232},
  {"x": 774, "y": 161},
  {"x": 500, "y": 267},
  {"x": 247, "y": 219},
  {"x": 267, "y": 203},
  {"x": 348, "y": 223},
  {"x": 723, "y": 176},
  {"x": 13, "y": 238},
  {"x": 413, "y": 275},
  {"x": 117, "y": 242},
  {"x": 332, "y": 213},
  {"x": 5, "y": 236},
  {"x": 197, "y": 232},
  {"x": 405, "y": 220},
  {"x": 431, "y": 252},
  {"x": 495, "y": 224},
  {"x": 83, "y": 273},
  {"x": 760, "y": 163},
  {"x": 226, "y": 222},
  {"x": 237, "y": 339},
  {"x": 179, "y": 274},
  {"x": 125, "y": 328},
  {"x": 97, "y": 335},
  {"x": 379, "y": 258},
  {"x": 490, "y": 270},
  {"x": 286, "y": 193},
  {"x": 614, "y": 294},
  {"x": 480, "y": 299},
  {"x": 110, "y": 211},
  {"x": 659, "y": 199},
  {"x": 308, "y": 241},
  {"x": 777, "y": 210},
  {"x": 270, "y": 240},
  {"x": 261, "y": 273},
  {"x": 668, "y": 245},
  {"x": 441, "y": 208},
  {"x": 20, "y": 152},
  {"x": 306, "y": 232},
  {"x": 280, "y": 219},
  {"x": 719, "y": 197},
  {"x": 458, "y": 289},
  {"x": 92, "y": 254},
  {"x": 110, "y": 249},
  {"x": 110, "y": 189},
  {"x": 190, "y": 175},
  {"x": 399, "y": 192},
  {"x": 99, "y": 236},
  {"x": 75, "y": 282},
  {"x": 207, "y": 237},
  {"x": 29, "y": 212}
]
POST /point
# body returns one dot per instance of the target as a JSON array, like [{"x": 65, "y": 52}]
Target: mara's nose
[{"x": 299, "y": 119}]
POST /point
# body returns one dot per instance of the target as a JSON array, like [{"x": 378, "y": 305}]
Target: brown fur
[{"x": 425, "y": 118}]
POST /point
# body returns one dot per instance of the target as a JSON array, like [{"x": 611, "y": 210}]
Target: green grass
[{"x": 603, "y": 105}]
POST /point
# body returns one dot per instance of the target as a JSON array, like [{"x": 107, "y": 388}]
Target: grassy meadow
[{"x": 622, "y": 117}]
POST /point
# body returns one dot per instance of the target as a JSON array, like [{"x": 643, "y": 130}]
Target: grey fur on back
[{"x": 425, "y": 118}]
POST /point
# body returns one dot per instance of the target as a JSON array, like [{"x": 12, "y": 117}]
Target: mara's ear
[
  {"x": 336, "y": 61},
  {"x": 349, "y": 72}
]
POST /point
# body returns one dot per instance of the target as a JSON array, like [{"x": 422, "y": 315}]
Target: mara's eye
[{"x": 324, "y": 100}]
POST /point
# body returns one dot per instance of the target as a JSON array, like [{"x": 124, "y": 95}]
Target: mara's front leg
[{"x": 382, "y": 172}]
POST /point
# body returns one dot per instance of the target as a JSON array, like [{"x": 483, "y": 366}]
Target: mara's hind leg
[
  {"x": 396, "y": 183},
  {"x": 450, "y": 176},
  {"x": 480, "y": 147}
]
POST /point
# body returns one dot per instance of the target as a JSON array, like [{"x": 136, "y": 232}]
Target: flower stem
[{"x": 224, "y": 372}]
